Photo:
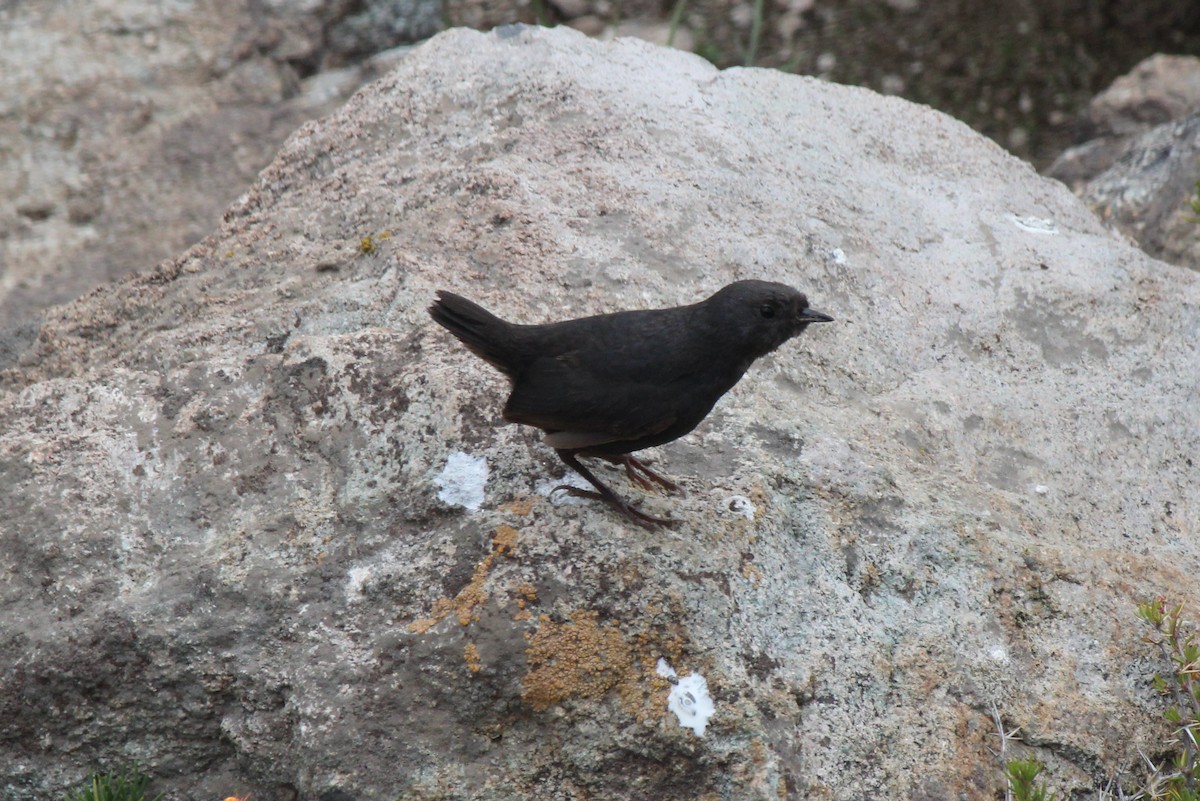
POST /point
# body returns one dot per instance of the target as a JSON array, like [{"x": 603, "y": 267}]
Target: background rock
[
  {"x": 1140, "y": 172},
  {"x": 1147, "y": 194},
  {"x": 224, "y": 555},
  {"x": 1159, "y": 90},
  {"x": 1017, "y": 71},
  {"x": 128, "y": 127}
]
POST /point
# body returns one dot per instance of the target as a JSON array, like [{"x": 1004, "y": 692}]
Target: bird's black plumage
[{"x": 613, "y": 384}]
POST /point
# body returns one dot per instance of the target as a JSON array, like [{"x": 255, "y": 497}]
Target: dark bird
[{"x": 609, "y": 385}]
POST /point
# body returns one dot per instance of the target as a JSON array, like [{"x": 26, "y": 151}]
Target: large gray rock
[{"x": 226, "y": 554}]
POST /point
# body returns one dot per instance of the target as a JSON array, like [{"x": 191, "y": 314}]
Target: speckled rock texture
[{"x": 225, "y": 555}]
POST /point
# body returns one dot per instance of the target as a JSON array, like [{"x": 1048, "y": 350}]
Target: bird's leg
[
  {"x": 605, "y": 494},
  {"x": 642, "y": 475}
]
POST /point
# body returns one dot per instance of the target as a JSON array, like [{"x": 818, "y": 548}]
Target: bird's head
[{"x": 761, "y": 315}]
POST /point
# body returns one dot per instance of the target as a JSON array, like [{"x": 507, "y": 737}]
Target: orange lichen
[
  {"x": 466, "y": 604},
  {"x": 581, "y": 659},
  {"x": 471, "y": 655},
  {"x": 526, "y": 593},
  {"x": 519, "y": 507},
  {"x": 441, "y": 608},
  {"x": 505, "y": 538}
]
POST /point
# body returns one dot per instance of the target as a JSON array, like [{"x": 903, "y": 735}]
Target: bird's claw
[
  {"x": 623, "y": 506},
  {"x": 577, "y": 492},
  {"x": 649, "y": 480}
]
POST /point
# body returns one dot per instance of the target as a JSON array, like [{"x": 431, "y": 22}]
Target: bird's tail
[{"x": 485, "y": 334}]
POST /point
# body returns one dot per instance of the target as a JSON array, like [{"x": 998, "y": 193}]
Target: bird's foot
[
  {"x": 620, "y": 504},
  {"x": 646, "y": 478}
]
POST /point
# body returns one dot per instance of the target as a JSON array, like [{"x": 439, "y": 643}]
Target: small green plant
[
  {"x": 1176, "y": 639},
  {"x": 712, "y": 52},
  {"x": 1022, "y": 780},
  {"x": 542, "y": 14},
  {"x": 369, "y": 244},
  {"x": 756, "y": 25},
  {"x": 1195, "y": 204},
  {"x": 126, "y": 786},
  {"x": 1021, "y": 773},
  {"x": 709, "y": 52},
  {"x": 1178, "y": 777},
  {"x": 676, "y": 18}
]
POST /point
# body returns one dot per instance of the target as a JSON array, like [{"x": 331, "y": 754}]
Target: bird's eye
[{"x": 767, "y": 310}]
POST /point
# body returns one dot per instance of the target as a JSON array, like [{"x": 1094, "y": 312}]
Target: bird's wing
[{"x": 588, "y": 407}]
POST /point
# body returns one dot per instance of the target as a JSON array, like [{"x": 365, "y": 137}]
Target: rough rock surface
[
  {"x": 127, "y": 128},
  {"x": 224, "y": 555}
]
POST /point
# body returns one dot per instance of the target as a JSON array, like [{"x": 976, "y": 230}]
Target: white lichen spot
[
  {"x": 688, "y": 699},
  {"x": 740, "y": 505},
  {"x": 1034, "y": 225},
  {"x": 357, "y": 579},
  {"x": 462, "y": 479}
]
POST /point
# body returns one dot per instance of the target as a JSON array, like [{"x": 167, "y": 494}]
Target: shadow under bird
[{"x": 610, "y": 385}]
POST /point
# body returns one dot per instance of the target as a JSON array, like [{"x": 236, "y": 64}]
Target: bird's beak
[{"x": 809, "y": 315}]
